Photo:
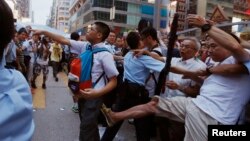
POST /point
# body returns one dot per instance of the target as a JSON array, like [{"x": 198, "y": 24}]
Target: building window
[
  {"x": 101, "y": 16},
  {"x": 119, "y": 18},
  {"x": 120, "y": 5},
  {"x": 103, "y": 3}
]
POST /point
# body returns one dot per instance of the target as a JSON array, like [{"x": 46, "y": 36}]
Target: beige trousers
[{"x": 182, "y": 109}]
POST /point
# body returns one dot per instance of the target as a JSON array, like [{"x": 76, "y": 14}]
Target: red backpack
[{"x": 80, "y": 71}]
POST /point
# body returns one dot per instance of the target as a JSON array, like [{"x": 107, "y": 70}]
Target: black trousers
[
  {"x": 55, "y": 67},
  {"x": 27, "y": 65},
  {"x": 129, "y": 95}
]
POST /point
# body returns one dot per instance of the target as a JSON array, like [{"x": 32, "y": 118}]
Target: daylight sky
[{"x": 41, "y": 10}]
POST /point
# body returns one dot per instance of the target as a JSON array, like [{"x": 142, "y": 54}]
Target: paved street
[{"x": 54, "y": 119}]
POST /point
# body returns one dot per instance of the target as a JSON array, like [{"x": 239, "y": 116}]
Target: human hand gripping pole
[{"x": 160, "y": 87}]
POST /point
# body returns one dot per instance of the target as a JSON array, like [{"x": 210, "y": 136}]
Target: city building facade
[
  {"x": 241, "y": 9},
  {"x": 59, "y": 15},
  {"x": 242, "y": 13},
  {"x": 13, "y": 5},
  {"x": 21, "y": 10},
  {"x": 24, "y": 10},
  {"x": 128, "y": 13}
]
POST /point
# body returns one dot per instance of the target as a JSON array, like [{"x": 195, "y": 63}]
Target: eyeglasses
[
  {"x": 92, "y": 29},
  {"x": 182, "y": 46}
]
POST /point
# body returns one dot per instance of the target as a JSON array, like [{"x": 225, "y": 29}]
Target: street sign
[{"x": 112, "y": 13}]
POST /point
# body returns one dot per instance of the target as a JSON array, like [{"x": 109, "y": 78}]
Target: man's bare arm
[
  {"x": 229, "y": 69},
  {"x": 139, "y": 52},
  {"x": 228, "y": 42},
  {"x": 60, "y": 39},
  {"x": 222, "y": 38}
]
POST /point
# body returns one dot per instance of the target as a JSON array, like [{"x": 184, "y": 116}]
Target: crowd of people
[
  {"x": 208, "y": 83},
  {"x": 31, "y": 54}
]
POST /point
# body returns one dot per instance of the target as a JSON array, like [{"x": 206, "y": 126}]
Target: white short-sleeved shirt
[
  {"x": 247, "y": 65},
  {"x": 193, "y": 64},
  {"x": 40, "y": 60},
  {"x": 78, "y": 47},
  {"x": 29, "y": 44},
  {"x": 110, "y": 47},
  {"x": 103, "y": 62},
  {"x": 224, "y": 97},
  {"x": 27, "y": 47}
]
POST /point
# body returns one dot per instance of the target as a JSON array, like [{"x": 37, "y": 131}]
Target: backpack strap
[
  {"x": 96, "y": 50},
  {"x": 158, "y": 52},
  {"x": 153, "y": 75},
  {"x": 99, "y": 78}
]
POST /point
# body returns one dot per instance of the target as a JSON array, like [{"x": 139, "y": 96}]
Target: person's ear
[
  {"x": 99, "y": 35},
  {"x": 149, "y": 38}
]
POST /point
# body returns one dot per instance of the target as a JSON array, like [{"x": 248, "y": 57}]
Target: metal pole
[
  {"x": 157, "y": 17},
  {"x": 113, "y": 4},
  {"x": 186, "y": 12},
  {"x": 217, "y": 25}
]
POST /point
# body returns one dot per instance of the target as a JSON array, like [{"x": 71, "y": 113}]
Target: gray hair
[{"x": 195, "y": 40}]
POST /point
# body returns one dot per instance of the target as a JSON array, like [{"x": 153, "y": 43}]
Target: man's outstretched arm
[{"x": 60, "y": 39}]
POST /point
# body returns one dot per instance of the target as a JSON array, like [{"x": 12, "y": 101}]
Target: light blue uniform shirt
[
  {"x": 16, "y": 116},
  {"x": 138, "y": 69}
]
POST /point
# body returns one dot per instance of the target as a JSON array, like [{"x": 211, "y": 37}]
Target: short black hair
[
  {"x": 7, "y": 26},
  {"x": 74, "y": 36},
  {"x": 143, "y": 23},
  {"x": 22, "y": 30},
  {"x": 150, "y": 31},
  {"x": 104, "y": 29},
  {"x": 133, "y": 40}
]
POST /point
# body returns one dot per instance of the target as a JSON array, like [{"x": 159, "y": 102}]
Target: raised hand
[{"x": 196, "y": 20}]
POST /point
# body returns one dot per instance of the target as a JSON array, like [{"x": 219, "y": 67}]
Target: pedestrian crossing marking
[{"x": 39, "y": 94}]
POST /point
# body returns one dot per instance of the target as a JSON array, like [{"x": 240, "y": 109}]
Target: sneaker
[
  {"x": 75, "y": 109},
  {"x": 44, "y": 86},
  {"x": 106, "y": 112}
]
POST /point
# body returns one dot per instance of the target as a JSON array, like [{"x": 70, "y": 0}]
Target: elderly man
[{"x": 177, "y": 86}]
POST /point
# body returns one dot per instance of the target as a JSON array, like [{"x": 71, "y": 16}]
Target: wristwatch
[
  {"x": 206, "y": 27},
  {"x": 208, "y": 71}
]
